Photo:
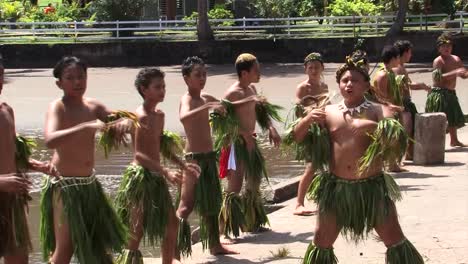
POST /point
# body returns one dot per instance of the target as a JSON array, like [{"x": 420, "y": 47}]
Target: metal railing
[{"x": 226, "y": 28}]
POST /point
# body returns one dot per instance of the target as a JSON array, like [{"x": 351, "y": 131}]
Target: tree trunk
[
  {"x": 397, "y": 27},
  {"x": 204, "y": 31}
]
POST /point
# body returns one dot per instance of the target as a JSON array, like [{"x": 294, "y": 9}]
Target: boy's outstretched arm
[{"x": 54, "y": 136}]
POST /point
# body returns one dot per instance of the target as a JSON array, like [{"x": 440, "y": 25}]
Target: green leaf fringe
[
  {"x": 107, "y": 139},
  {"x": 437, "y": 75},
  {"x": 208, "y": 197},
  {"x": 140, "y": 187},
  {"x": 254, "y": 211},
  {"x": 14, "y": 232},
  {"x": 171, "y": 145},
  {"x": 225, "y": 127},
  {"x": 446, "y": 101},
  {"x": 389, "y": 142},
  {"x": 316, "y": 255},
  {"x": 403, "y": 253},
  {"x": 94, "y": 226},
  {"x": 314, "y": 148},
  {"x": 232, "y": 214},
  {"x": 266, "y": 113},
  {"x": 395, "y": 83},
  {"x": 24, "y": 148},
  {"x": 129, "y": 257},
  {"x": 359, "y": 205},
  {"x": 184, "y": 238}
]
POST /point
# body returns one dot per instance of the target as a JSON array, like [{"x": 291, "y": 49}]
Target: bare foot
[
  {"x": 225, "y": 240},
  {"x": 222, "y": 250},
  {"x": 300, "y": 210},
  {"x": 457, "y": 144}
]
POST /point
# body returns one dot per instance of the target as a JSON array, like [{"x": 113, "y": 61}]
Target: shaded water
[{"x": 280, "y": 167}]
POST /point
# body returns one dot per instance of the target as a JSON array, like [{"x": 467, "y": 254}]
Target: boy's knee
[{"x": 322, "y": 240}]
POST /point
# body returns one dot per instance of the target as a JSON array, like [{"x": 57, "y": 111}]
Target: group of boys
[{"x": 143, "y": 206}]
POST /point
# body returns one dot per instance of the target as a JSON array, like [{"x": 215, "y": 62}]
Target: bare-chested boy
[
  {"x": 15, "y": 241},
  {"x": 245, "y": 157},
  {"x": 388, "y": 91},
  {"x": 205, "y": 194},
  {"x": 76, "y": 217},
  {"x": 311, "y": 93},
  {"x": 407, "y": 116},
  {"x": 337, "y": 190},
  {"x": 443, "y": 97},
  {"x": 143, "y": 200}
]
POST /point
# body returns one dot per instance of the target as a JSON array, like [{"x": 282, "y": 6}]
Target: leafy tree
[
  {"x": 354, "y": 7},
  {"x": 111, "y": 10},
  {"x": 273, "y": 8},
  {"x": 399, "y": 23}
]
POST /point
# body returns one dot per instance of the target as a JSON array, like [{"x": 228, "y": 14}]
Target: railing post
[
  {"x": 420, "y": 21},
  {"x": 34, "y": 29},
  {"x": 243, "y": 24},
  {"x": 117, "y": 26},
  {"x": 461, "y": 22},
  {"x": 160, "y": 28},
  {"x": 426, "y": 21},
  {"x": 289, "y": 23},
  {"x": 76, "y": 30}
]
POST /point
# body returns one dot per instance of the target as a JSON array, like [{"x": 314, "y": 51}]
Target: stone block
[{"x": 429, "y": 136}]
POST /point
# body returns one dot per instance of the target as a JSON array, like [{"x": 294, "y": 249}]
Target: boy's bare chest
[{"x": 75, "y": 116}]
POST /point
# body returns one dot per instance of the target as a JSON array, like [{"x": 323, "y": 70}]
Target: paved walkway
[{"x": 433, "y": 215}]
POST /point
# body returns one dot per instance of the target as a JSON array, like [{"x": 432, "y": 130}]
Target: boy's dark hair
[
  {"x": 388, "y": 53},
  {"x": 189, "y": 63},
  {"x": 403, "y": 46},
  {"x": 145, "y": 76},
  {"x": 1, "y": 61},
  {"x": 245, "y": 62},
  {"x": 67, "y": 61}
]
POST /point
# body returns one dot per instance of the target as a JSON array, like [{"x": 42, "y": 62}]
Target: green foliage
[
  {"x": 218, "y": 12},
  {"x": 273, "y": 8},
  {"x": 416, "y": 6},
  {"x": 354, "y": 7},
  {"x": 461, "y": 5},
  {"x": 311, "y": 7},
  {"x": 448, "y": 6},
  {"x": 11, "y": 10},
  {"x": 110, "y": 10},
  {"x": 63, "y": 13}
]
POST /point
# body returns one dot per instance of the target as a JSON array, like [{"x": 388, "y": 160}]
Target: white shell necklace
[{"x": 358, "y": 109}]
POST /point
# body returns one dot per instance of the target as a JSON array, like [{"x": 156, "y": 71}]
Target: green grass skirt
[
  {"x": 232, "y": 214},
  {"x": 403, "y": 253},
  {"x": 95, "y": 228},
  {"x": 446, "y": 101},
  {"x": 316, "y": 255},
  {"x": 130, "y": 257},
  {"x": 254, "y": 170},
  {"x": 148, "y": 191},
  {"x": 14, "y": 231},
  {"x": 208, "y": 197},
  {"x": 358, "y": 205}
]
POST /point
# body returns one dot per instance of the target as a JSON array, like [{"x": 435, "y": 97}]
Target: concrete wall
[{"x": 143, "y": 53}]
